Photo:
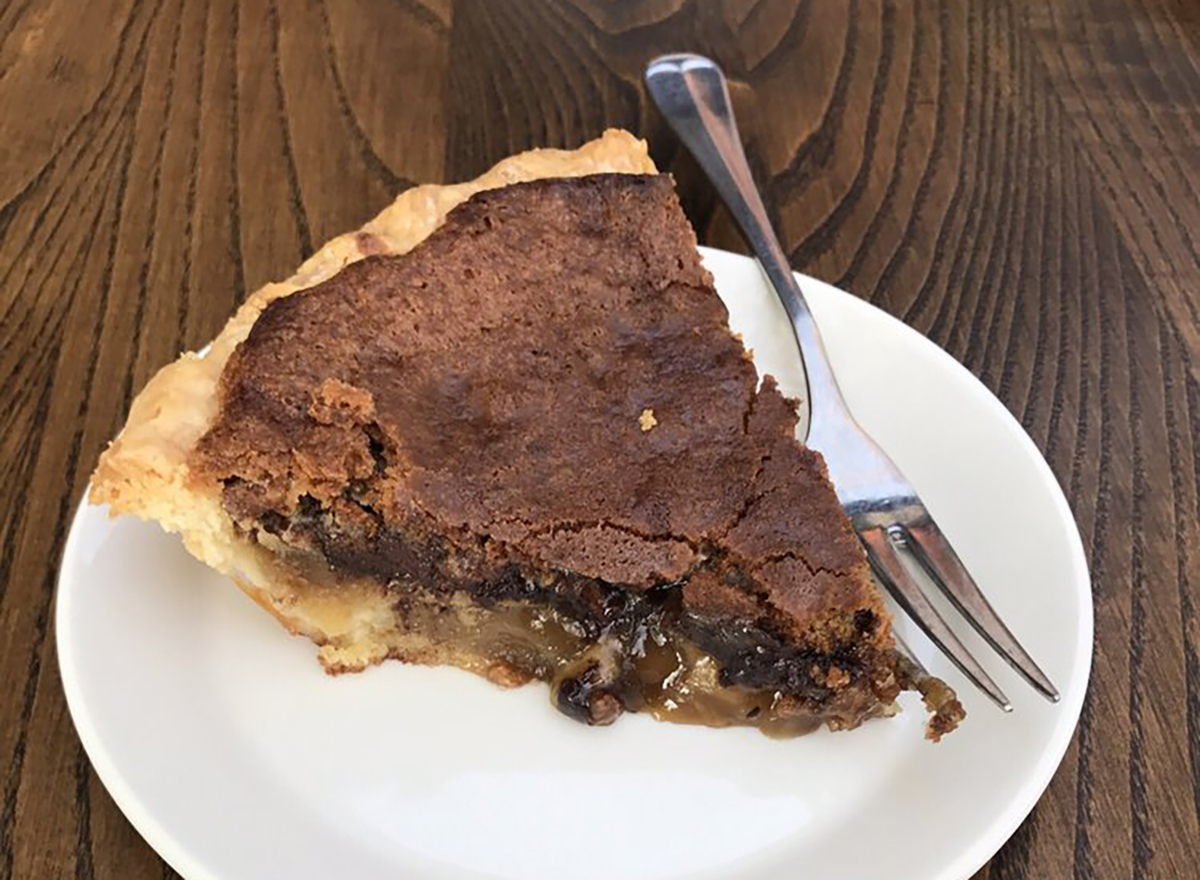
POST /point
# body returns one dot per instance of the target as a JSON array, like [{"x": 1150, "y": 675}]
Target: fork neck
[{"x": 823, "y": 403}]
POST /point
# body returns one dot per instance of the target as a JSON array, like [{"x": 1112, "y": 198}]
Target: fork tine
[
  {"x": 945, "y": 569},
  {"x": 905, "y": 589}
]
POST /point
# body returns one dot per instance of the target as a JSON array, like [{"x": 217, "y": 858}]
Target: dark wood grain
[{"x": 1018, "y": 180}]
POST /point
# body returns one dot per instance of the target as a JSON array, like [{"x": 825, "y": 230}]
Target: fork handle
[{"x": 690, "y": 91}]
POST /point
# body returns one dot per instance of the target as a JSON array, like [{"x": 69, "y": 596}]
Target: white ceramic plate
[{"x": 238, "y": 759}]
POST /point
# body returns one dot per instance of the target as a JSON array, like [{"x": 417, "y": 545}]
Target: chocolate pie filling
[{"x": 540, "y": 412}]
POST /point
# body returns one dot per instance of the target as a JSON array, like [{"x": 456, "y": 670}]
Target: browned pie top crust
[{"x": 487, "y": 393}]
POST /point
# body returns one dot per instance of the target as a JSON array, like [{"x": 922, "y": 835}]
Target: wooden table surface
[{"x": 1016, "y": 179}]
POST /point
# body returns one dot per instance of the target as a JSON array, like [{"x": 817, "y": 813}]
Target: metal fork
[{"x": 899, "y": 534}]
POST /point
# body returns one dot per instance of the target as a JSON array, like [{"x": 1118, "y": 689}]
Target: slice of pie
[{"x": 506, "y": 427}]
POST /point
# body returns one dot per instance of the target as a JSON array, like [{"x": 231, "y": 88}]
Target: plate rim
[{"x": 971, "y": 856}]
